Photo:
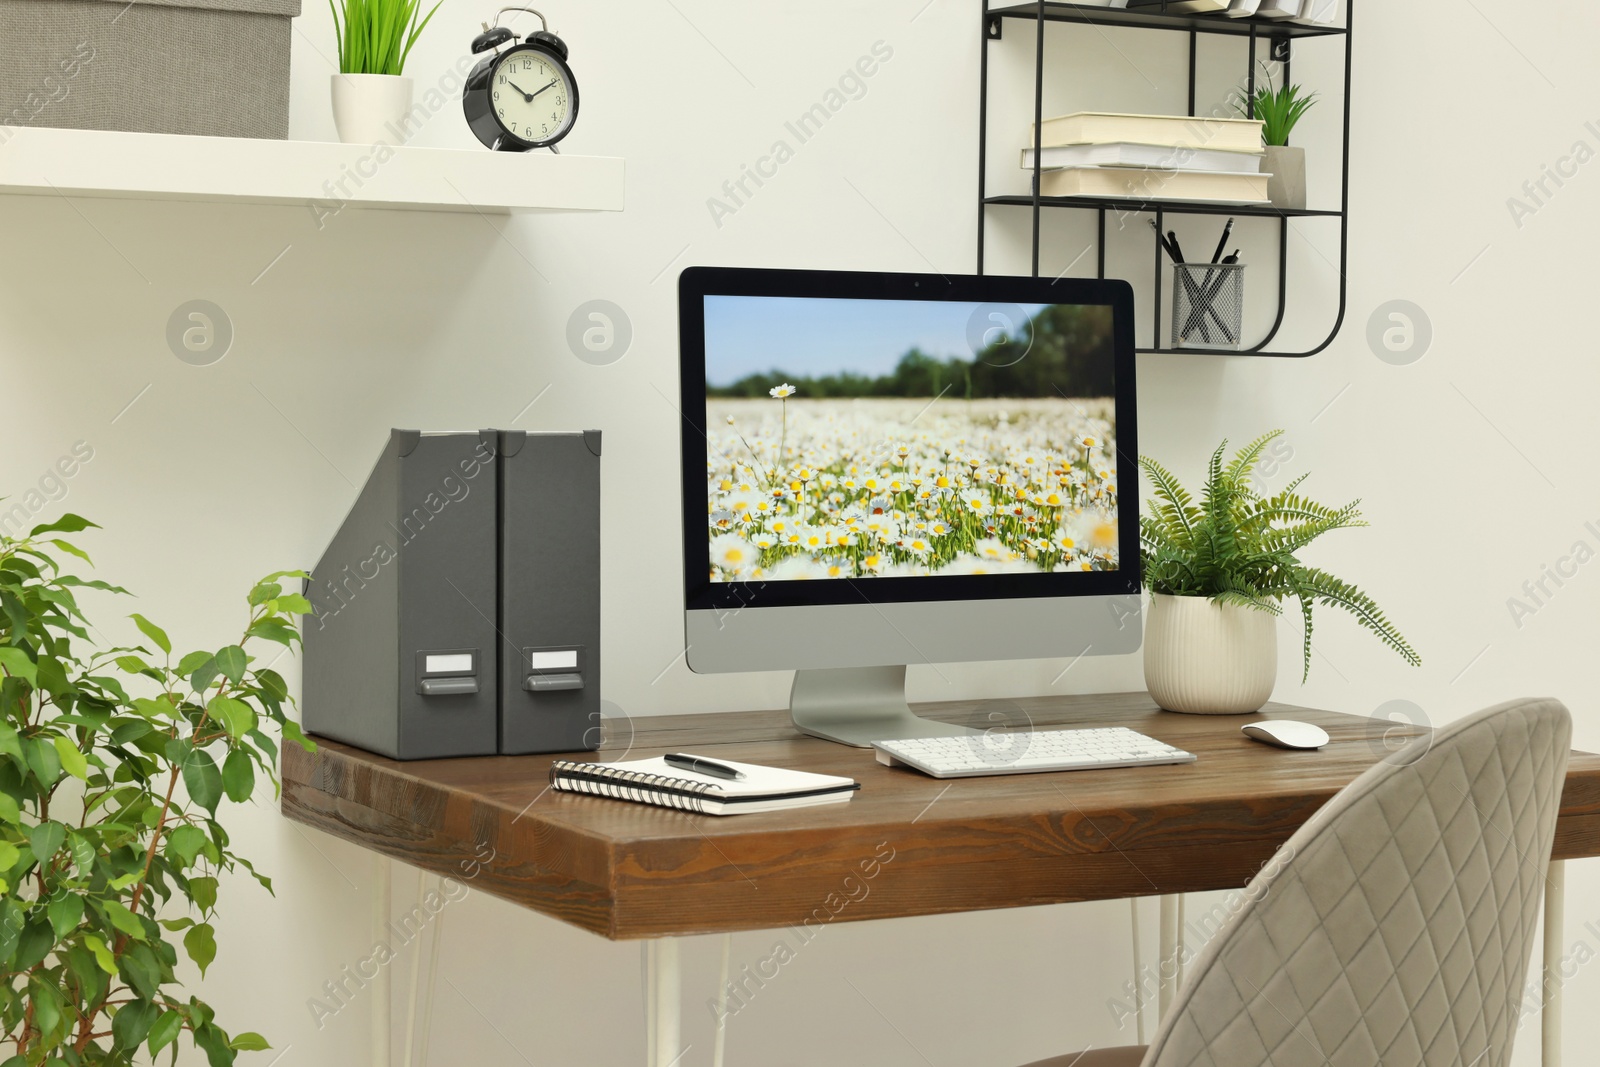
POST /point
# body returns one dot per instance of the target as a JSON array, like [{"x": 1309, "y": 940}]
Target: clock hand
[
  {"x": 527, "y": 96},
  {"x": 536, "y": 92}
]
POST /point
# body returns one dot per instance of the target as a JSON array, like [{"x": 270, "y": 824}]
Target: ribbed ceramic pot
[{"x": 1205, "y": 658}]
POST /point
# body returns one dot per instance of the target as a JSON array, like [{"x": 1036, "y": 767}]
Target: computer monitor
[{"x": 888, "y": 469}]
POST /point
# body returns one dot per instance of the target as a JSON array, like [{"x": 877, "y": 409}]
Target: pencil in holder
[{"x": 1207, "y": 305}]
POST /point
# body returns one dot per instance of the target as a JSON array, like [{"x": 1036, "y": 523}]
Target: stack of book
[
  {"x": 1151, "y": 157},
  {"x": 1312, "y": 12}
]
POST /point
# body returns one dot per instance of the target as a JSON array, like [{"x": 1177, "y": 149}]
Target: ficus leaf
[
  {"x": 43, "y": 761},
  {"x": 72, "y": 758},
  {"x": 102, "y": 954},
  {"x": 264, "y": 592},
  {"x": 133, "y": 1022},
  {"x": 165, "y": 1029},
  {"x": 203, "y": 891},
  {"x": 185, "y": 842},
  {"x": 202, "y": 779},
  {"x": 68, "y": 523},
  {"x": 71, "y": 549},
  {"x": 238, "y": 776},
  {"x": 16, "y": 663},
  {"x": 152, "y": 631},
  {"x": 125, "y": 921},
  {"x": 188, "y": 663},
  {"x": 65, "y": 913},
  {"x": 295, "y": 604},
  {"x": 46, "y": 839},
  {"x": 231, "y": 661},
  {"x": 202, "y": 677},
  {"x": 46, "y": 1003},
  {"x": 201, "y": 944},
  {"x": 235, "y": 716}
]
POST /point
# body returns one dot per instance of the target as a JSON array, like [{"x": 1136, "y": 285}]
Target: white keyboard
[{"x": 1028, "y": 752}]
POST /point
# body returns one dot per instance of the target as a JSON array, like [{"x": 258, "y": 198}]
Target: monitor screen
[{"x": 881, "y": 440}]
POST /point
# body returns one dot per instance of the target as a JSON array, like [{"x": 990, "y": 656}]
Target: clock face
[{"x": 532, "y": 96}]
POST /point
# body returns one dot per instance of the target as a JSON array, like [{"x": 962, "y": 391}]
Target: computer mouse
[{"x": 1286, "y": 733}]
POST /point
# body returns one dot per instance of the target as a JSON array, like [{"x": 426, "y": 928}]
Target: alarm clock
[{"x": 523, "y": 96}]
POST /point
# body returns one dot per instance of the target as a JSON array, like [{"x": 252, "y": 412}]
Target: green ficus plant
[
  {"x": 1239, "y": 547},
  {"x": 107, "y": 866}
]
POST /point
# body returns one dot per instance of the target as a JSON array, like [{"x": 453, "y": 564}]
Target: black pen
[
  {"x": 1162, "y": 241},
  {"x": 1177, "y": 249},
  {"x": 1222, "y": 244},
  {"x": 701, "y": 765}
]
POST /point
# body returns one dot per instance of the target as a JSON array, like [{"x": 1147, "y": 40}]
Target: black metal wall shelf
[
  {"x": 1158, "y": 20},
  {"x": 1278, "y": 35}
]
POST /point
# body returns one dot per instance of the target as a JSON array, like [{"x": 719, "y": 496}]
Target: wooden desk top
[{"x": 906, "y": 845}]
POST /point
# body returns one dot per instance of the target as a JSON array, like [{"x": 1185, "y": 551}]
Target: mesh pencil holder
[{"x": 1207, "y": 305}]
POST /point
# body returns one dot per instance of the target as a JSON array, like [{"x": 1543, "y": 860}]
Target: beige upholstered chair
[{"x": 1394, "y": 928}]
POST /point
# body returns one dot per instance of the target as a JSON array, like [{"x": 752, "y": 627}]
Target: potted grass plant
[
  {"x": 1279, "y": 110},
  {"x": 371, "y": 94},
  {"x": 1219, "y": 571}
]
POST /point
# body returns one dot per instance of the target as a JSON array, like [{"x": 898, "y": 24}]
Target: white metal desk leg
[
  {"x": 1555, "y": 907},
  {"x": 411, "y": 994},
  {"x": 425, "y": 1009},
  {"x": 721, "y": 1040},
  {"x": 663, "y": 999},
  {"x": 380, "y": 981},
  {"x": 1138, "y": 970},
  {"x": 1167, "y": 967}
]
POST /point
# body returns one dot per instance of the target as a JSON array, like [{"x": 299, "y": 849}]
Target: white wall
[{"x": 1474, "y": 464}]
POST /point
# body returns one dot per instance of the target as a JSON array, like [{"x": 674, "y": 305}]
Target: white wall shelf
[{"x": 151, "y": 166}]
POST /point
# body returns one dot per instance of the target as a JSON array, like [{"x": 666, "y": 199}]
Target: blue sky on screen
[{"x": 807, "y": 336}]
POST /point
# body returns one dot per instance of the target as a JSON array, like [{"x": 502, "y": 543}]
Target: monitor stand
[{"x": 859, "y": 705}]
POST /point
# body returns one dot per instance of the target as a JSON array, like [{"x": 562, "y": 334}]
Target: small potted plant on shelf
[
  {"x": 1218, "y": 572},
  {"x": 1279, "y": 111},
  {"x": 371, "y": 94},
  {"x": 113, "y": 765}
]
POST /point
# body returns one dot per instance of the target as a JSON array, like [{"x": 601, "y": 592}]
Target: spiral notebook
[{"x": 652, "y": 781}]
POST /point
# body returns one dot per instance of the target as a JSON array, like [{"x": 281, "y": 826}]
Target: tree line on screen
[{"x": 1070, "y": 354}]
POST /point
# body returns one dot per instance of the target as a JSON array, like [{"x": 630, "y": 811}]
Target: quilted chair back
[{"x": 1394, "y": 928}]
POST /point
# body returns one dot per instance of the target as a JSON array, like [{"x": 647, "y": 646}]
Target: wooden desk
[{"x": 632, "y": 871}]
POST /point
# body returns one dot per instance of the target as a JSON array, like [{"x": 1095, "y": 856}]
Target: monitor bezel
[{"x": 696, "y": 283}]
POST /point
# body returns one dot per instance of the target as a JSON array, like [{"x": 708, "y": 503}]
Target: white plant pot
[
  {"x": 1204, "y": 658},
  {"x": 1287, "y": 185},
  {"x": 370, "y": 108}
]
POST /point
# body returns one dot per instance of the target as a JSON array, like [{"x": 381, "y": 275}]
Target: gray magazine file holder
[
  {"x": 457, "y": 610},
  {"x": 549, "y": 591},
  {"x": 401, "y": 655}
]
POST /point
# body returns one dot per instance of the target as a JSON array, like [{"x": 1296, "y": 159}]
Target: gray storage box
[
  {"x": 549, "y": 591},
  {"x": 402, "y": 653},
  {"x": 208, "y": 67}
]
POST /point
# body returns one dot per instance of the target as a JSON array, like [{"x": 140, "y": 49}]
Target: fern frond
[
  {"x": 1340, "y": 594},
  {"x": 1177, "y": 508},
  {"x": 1306, "y": 603},
  {"x": 1243, "y": 599},
  {"x": 1247, "y": 457}
]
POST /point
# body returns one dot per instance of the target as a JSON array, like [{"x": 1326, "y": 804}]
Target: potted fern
[
  {"x": 1219, "y": 571},
  {"x": 1279, "y": 110},
  {"x": 371, "y": 94}
]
